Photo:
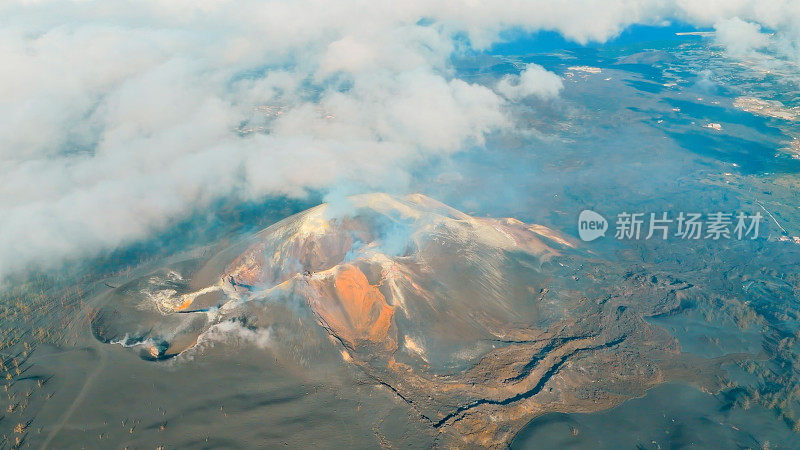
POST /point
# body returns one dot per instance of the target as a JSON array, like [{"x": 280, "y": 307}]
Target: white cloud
[
  {"x": 740, "y": 38},
  {"x": 121, "y": 117},
  {"x": 534, "y": 80}
]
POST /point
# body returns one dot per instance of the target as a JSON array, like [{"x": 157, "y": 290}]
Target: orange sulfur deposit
[
  {"x": 185, "y": 305},
  {"x": 355, "y": 310}
]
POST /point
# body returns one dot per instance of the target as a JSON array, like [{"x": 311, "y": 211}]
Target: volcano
[{"x": 477, "y": 324}]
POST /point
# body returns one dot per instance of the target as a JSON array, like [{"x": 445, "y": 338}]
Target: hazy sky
[{"x": 120, "y": 117}]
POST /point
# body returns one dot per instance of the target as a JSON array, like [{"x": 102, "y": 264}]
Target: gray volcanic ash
[{"x": 478, "y": 324}]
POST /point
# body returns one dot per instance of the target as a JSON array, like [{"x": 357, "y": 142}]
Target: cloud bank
[{"x": 121, "y": 117}]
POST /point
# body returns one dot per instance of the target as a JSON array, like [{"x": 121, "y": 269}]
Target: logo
[
  {"x": 591, "y": 225},
  {"x": 664, "y": 225}
]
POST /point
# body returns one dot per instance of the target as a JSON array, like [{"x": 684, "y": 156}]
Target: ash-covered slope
[{"x": 478, "y": 324}]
